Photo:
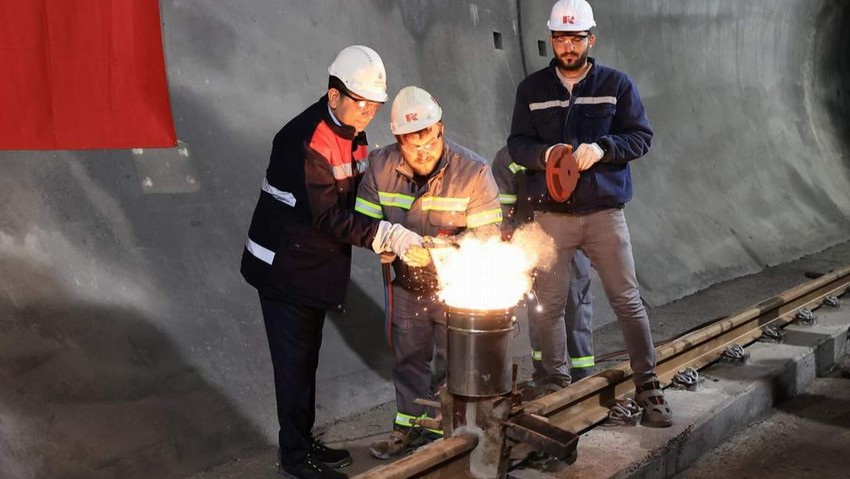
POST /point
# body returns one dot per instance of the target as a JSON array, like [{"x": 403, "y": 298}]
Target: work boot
[
  {"x": 538, "y": 379},
  {"x": 401, "y": 442},
  {"x": 577, "y": 374},
  {"x": 555, "y": 383},
  {"x": 310, "y": 468},
  {"x": 538, "y": 374},
  {"x": 335, "y": 458},
  {"x": 427, "y": 436},
  {"x": 656, "y": 410}
]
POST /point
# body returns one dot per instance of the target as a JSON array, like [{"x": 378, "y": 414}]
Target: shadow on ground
[{"x": 93, "y": 391}]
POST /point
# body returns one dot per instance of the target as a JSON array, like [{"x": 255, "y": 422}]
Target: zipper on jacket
[{"x": 573, "y": 95}]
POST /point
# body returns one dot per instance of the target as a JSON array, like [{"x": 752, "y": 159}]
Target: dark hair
[{"x": 335, "y": 82}]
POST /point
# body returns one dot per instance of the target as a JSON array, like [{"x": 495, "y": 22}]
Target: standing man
[
  {"x": 298, "y": 253},
  {"x": 435, "y": 187},
  {"x": 597, "y": 111},
  {"x": 551, "y": 371}
]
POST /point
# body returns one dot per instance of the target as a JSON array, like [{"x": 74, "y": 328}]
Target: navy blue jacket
[
  {"x": 605, "y": 108},
  {"x": 299, "y": 242}
]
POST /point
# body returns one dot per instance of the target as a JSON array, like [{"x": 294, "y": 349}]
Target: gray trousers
[
  {"x": 604, "y": 238},
  {"x": 578, "y": 316},
  {"x": 419, "y": 339}
]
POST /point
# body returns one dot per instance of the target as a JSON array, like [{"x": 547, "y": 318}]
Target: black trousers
[{"x": 295, "y": 336}]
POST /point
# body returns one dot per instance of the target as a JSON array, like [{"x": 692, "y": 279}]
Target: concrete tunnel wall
[{"x": 129, "y": 343}]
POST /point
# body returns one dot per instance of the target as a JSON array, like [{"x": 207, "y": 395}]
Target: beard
[
  {"x": 424, "y": 168},
  {"x": 572, "y": 64}
]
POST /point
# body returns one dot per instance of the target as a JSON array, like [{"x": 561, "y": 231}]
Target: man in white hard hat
[
  {"x": 597, "y": 111},
  {"x": 437, "y": 188},
  {"x": 298, "y": 253},
  {"x": 516, "y": 211}
]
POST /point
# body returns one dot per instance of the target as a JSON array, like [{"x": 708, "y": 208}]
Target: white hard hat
[
  {"x": 413, "y": 109},
  {"x": 362, "y": 71},
  {"x": 571, "y": 16}
]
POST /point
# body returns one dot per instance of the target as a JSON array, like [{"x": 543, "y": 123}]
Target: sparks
[{"x": 488, "y": 273}]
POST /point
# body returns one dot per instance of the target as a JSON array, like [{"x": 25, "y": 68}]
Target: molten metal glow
[{"x": 488, "y": 273}]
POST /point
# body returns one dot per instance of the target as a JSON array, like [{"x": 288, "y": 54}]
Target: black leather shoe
[
  {"x": 335, "y": 458},
  {"x": 310, "y": 468}
]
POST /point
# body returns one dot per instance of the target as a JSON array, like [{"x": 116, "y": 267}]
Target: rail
[{"x": 584, "y": 404}]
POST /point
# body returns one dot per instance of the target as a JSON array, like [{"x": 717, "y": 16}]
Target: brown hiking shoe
[
  {"x": 401, "y": 442},
  {"x": 396, "y": 445}
]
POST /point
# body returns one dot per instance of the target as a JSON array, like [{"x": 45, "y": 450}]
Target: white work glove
[
  {"x": 394, "y": 238},
  {"x": 587, "y": 154}
]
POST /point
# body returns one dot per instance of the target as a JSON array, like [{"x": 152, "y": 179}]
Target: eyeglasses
[
  {"x": 574, "y": 40},
  {"x": 361, "y": 104},
  {"x": 426, "y": 147}
]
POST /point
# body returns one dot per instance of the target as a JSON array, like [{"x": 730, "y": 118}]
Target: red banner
[{"x": 78, "y": 74}]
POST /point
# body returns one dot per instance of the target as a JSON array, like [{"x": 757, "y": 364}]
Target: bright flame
[{"x": 488, "y": 273}]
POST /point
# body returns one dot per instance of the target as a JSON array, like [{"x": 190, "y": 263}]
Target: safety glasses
[
  {"x": 427, "y": 147},
  {"x": 574, "y": 40},
  {"x": 360, "y": 103}
]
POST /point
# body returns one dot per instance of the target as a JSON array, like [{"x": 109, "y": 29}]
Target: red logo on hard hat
[
  {"x": 411, "y": 117},
  {"x": 569, "y": 19}
]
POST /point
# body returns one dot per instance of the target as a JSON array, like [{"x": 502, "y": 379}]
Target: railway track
[{"x": 583, "y": 405}]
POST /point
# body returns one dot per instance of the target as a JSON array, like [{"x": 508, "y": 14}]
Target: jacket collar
[
  {"x": 553, "y": 65},
  {"x": 343, "y": 131}
]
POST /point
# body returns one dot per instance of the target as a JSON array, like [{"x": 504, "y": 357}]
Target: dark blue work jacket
[{"x": 605, "y": 108}]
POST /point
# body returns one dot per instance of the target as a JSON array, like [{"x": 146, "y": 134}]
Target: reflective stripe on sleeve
[
  {"x": 284, "y": 197},
  {"x": 506, "y": 199},
  {"x": 484, "y": 218},
  {"x": 536, "y": 355},
  {"x": 368, "y": 208},
  {"x": 263, "y": 254}
]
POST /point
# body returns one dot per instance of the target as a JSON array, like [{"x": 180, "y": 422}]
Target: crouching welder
[
  {"x": 434, "y": 187},
  {"x": 298, "y": 253}
]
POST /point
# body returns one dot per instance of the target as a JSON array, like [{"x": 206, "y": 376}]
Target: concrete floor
[
  {"x": 806, "y": 437},
  {"x": 358, "y": 431}
]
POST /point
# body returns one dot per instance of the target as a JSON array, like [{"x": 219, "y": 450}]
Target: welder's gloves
[
  {"x": 394, "y": 238},
  {"x": 587, "y": 154},
  {"x": 417, "y": 256}
]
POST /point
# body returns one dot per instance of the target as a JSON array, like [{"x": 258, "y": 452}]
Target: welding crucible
[{"x": 479, "y": 351}]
